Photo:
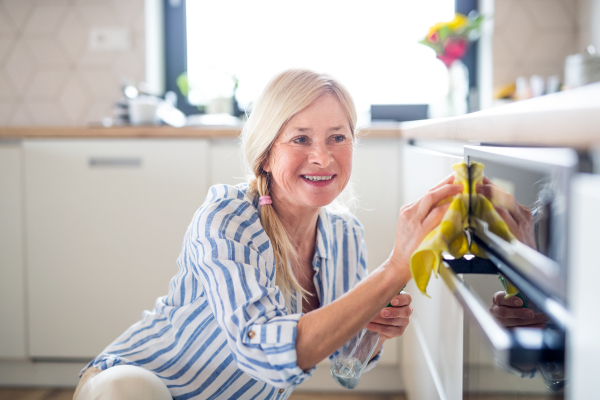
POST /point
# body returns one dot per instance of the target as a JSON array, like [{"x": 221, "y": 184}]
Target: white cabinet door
[
  {"x": 105, "y": 223},
  {"x": 433, "y": 344},
  {"x": 376, "y": 181},
  {"x": 226, "y": 162},
  {"x": 12, "y": 284},
  {"x": 584, "y": 275}
]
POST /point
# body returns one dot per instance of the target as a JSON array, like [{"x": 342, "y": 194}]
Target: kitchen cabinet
[
  {"x": 433, "y": 341},
  {"x": 91, "y": 229},
  {"x": 105, "y": 221},
  {"x": 226, "y": 162},
  {"x": 376, "y": 185},
  {"x": 584, "y": 275},
  {"x": 12, "y": 274}
]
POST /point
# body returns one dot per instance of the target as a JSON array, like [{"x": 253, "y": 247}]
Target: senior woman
[{"x": 270, "y": 281}]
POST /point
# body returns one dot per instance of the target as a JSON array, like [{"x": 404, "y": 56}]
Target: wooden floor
[
  {"x": 67, "y": 394},
  {"x": 36, "y": 394}
]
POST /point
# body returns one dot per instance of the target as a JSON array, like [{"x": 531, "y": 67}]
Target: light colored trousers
[{"x": 122, "y": 382}]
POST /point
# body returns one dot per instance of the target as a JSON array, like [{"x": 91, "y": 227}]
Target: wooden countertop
[
  {"x": 165, "y": 132},
  {"x": 566, "y": 119}
]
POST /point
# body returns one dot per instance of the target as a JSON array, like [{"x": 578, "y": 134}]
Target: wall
[
  {"x": 48, "y": 75},
  {"x": 533, "y": 37},
  {"x": 589, "y": 24}
]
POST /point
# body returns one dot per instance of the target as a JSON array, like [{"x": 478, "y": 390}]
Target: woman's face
[{"x": 311, "y": 160}]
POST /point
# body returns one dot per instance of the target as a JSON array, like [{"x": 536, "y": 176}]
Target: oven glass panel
[
  {"x": 485, "y": 377},
  {"x": 537, "y": 191},
  {"x": 542, "y": 190}
]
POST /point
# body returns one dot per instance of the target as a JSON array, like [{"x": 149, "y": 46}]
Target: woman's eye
[
  {"x": 339, "y": 138},
  {"x": 300, "y": 140}
]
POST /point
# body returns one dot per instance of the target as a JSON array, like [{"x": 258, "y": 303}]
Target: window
[{"x": 371, "y": 47}]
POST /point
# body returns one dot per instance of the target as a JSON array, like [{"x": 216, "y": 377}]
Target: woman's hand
[
  {"x": 518, "y": 218},
  {"x": 510, "y": 313},
  {"x": 392, "y": 321},
  {"x": 419, "y": 218}
]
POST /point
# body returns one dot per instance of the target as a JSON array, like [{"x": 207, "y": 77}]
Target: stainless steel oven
[{"x": 507, "y": 358}]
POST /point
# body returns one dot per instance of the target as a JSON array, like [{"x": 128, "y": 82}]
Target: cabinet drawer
[{"x": 105, "y": 223}]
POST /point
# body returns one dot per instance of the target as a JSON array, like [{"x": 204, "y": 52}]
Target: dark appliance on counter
[
  {"x": 507, "y": 357},
  {"x": 399, "y": 112}
]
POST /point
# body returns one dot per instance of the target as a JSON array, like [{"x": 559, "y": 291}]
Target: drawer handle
[{"x": 115, "y": 162}]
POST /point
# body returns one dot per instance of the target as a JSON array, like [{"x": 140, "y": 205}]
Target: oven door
[{"x": 508, "y": 358}]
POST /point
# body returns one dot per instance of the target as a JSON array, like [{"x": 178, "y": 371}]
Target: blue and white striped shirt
[{"x": 224, "y": 331}]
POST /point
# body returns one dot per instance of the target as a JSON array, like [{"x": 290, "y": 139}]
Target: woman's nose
[{"x": 320, "y": 155}]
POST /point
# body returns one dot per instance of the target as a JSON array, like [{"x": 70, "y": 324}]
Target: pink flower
[
  {"x": 455, "y": 47},
  {"x": 433, "y": 38}
]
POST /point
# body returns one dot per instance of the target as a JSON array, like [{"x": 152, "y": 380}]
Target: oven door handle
[{"x": 513, "y": 347}]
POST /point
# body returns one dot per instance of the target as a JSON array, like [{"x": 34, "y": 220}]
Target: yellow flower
[
  {"x": 459, "y": 21},
  {"x": 436, "y": 27}
]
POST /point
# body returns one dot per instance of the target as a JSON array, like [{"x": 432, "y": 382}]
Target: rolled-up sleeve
[{"x": 232, "y": 261}]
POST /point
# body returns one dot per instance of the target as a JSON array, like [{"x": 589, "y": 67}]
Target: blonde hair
[{"x": 284, "y": 96}]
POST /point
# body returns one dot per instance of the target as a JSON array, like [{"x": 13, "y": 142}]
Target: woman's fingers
[
  {"x": 538, "y": 321},
  {"x": 509, "y": 219},
  {"x": 396, "y": 315},
  {"x": 387, "y": 331},
  {"x": 504, "y": 312},
  {"x": 395, "y": 312},
  {"x": 499, "y": 197},
  {"x": 447, "y": 181},
  {"x": 434, "y": 218},
  {"x": 510, "y": 313},
  {"x": 500, "y": 299},
  {"x": 401, "y": 299},
  {"x": 391, "y": 321},
  {"x": 431, "y": 199}
]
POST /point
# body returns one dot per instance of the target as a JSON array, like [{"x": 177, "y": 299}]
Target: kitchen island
[
  {"x": 449, "y": 355},
  {"x": 565, "y": 119}
]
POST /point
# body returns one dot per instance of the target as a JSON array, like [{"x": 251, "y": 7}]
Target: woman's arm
[{"x": 323, "y": 331}]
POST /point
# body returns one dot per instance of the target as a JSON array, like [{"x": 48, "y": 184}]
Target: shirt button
[
  {"x": 251, "y": 334},
  {"x": 281, "y": 390}
]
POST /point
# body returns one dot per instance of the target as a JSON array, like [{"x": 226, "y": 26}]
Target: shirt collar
[{"x": 324, "y": 234}]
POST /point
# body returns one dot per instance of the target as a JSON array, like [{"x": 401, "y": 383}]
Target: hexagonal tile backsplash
[
  {"x": 48, "y": 76},
  {"x": 533, "y": 37}
]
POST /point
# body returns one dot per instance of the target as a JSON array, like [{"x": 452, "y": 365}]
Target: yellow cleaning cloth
[{"x": 449, "y": 235}]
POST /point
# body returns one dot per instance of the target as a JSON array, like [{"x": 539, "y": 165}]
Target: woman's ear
[{"x": 267, "y": 165}]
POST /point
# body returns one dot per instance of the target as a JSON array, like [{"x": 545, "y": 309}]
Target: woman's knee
[{"x": 124, "y": 382}]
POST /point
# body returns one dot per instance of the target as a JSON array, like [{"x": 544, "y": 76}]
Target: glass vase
[
  {"x": 458, "y": 89},
  {"x": 351, "y": 360}
]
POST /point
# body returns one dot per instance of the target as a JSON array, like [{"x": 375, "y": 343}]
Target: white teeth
[{"x": 317, "y": 178}]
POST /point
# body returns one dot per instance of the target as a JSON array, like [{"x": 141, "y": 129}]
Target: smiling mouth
[{"x": 318, "y": 178}]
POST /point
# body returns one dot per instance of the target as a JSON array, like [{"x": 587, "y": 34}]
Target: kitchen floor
[{"x": 67, "y": 394}]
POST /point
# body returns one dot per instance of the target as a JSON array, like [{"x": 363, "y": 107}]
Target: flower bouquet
[{"x": 450, "y": 40}]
